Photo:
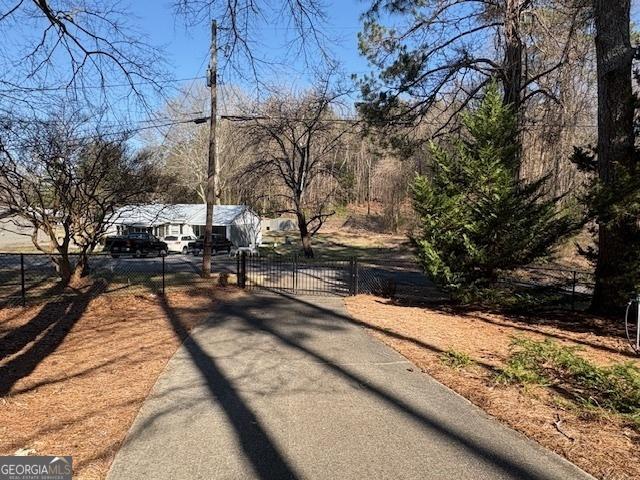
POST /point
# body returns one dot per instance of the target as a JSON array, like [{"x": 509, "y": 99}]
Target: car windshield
[
  {"x": 186, "y": 238},
  {"x": 171, "y": 238}
]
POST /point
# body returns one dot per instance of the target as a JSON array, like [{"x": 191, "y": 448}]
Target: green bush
[
  {"x": 615, "y": 388},
  {"x": 455, "y": 359},
  {"x": 475, "y": 217}
]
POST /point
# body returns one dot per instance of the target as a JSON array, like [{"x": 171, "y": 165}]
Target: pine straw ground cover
[
  {"x": 468, "y": 351},
  {"x": 73, "y": 374}
]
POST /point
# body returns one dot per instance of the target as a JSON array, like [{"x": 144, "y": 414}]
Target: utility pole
[{"x": 212, "y": 194}]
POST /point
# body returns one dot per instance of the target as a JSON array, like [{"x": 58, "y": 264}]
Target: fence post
[
  {"x": 573, "y": 292},
  {"x": 351, "y": 286},
  {"x": 295, "y": 273},
  {"x": 242, "y": 280},
  {"x": 23, "y": 292},
  {"x": 352, "y": 276},
  {"x": 356, "y": 276},
  {"x": 163, "y": 274}
]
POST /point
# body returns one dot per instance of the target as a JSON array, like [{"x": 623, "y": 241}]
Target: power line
[
  {"x": 247, "y": 118},
  {"x": 201, "y": 120},
  {"x": 244, "y": 117},
  {"x": 197, "y": 120},
  {"x": 186, "y": 96},
  {"x": 252, "y": 117},
  {"x": 113, "y": 133},
  {"x": 17, "y": 88}
]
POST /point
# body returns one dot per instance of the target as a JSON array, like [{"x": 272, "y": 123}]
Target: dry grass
[
  {"x": 604, "y": 445},
  {"x": 81, "y": 397},
  {"x": 352, "y": 234}
]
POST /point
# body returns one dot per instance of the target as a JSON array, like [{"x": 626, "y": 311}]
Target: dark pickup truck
[
  {"x": 136, "y": 244},
  {"x": 220, "y": 243}
]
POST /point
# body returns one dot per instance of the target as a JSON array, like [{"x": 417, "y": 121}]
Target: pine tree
[{"x": 476, "y": 217}]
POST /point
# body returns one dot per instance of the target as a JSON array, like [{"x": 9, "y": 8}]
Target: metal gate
[{"x": 298, "y": 275}]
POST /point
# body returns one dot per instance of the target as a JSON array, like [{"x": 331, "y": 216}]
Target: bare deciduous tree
[
  {"x": 67, "y": 185},
  {"x": 295, "y": 138},
  {"x": 563, "y": 117},
  {"x": 239, "y": 23},
  {"x": 182, "y": 149},
  {"x": 72, "y": 48}
]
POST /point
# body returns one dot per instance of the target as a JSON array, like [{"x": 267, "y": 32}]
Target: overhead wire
[
  {"x": 16, "y": 88},
  {"x": 186, "y": 96},
  {"x": 236, "y": 118}
]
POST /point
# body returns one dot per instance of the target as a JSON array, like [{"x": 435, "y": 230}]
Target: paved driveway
[{"x": 281, "y": 387}]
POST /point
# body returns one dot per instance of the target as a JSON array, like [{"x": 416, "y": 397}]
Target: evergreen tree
[{"x": 476, "y": 217}]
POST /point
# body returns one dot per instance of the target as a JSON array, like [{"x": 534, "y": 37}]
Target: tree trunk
[
  {"x": 615, "y": 141},
  {"x": 512, "y": 55},
  {"x": 369, "y": 188},
  {"x": 64, "y": 267},
  {"x": 72, "y": 275},
  {"x": 80, "y": 271},
  {"x": 305, "y": 236},
  {"x": 512, "y": 67}
]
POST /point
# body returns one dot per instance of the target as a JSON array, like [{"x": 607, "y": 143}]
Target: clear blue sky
[
  {"x": 187, "y": 48},
  {"x": 186, "y": 52}
]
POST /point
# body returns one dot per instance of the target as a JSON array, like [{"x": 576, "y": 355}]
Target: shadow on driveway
[{"x": 276, "y": 386}]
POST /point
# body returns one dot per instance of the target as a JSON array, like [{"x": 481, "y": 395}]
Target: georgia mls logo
[
  {"x": 35, "y": 468},
  {"x": 60, "y": 466}
]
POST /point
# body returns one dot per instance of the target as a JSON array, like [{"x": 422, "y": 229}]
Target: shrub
[
  {"x": 455, "y": 359},
  {"x": 615, "y": 388},
  {"x": 476, "y": 218}
]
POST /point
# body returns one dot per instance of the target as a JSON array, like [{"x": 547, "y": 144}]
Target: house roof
[{"x": 190, "y": 213}]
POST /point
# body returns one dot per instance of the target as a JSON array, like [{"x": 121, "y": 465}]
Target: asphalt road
[{"x": 277, "y": 387}]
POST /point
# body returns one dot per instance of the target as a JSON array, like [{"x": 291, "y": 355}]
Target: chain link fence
[
  {"x": 396, "y": 279},
  {"x": 562, "y": 287},
  {"x": 553, "y": 286},
  {"x": 30, "y": 277},
  {"x": 34, "y": 277}
]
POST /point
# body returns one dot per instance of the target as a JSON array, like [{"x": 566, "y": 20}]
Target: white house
[{"x": 238, "y": 223}]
